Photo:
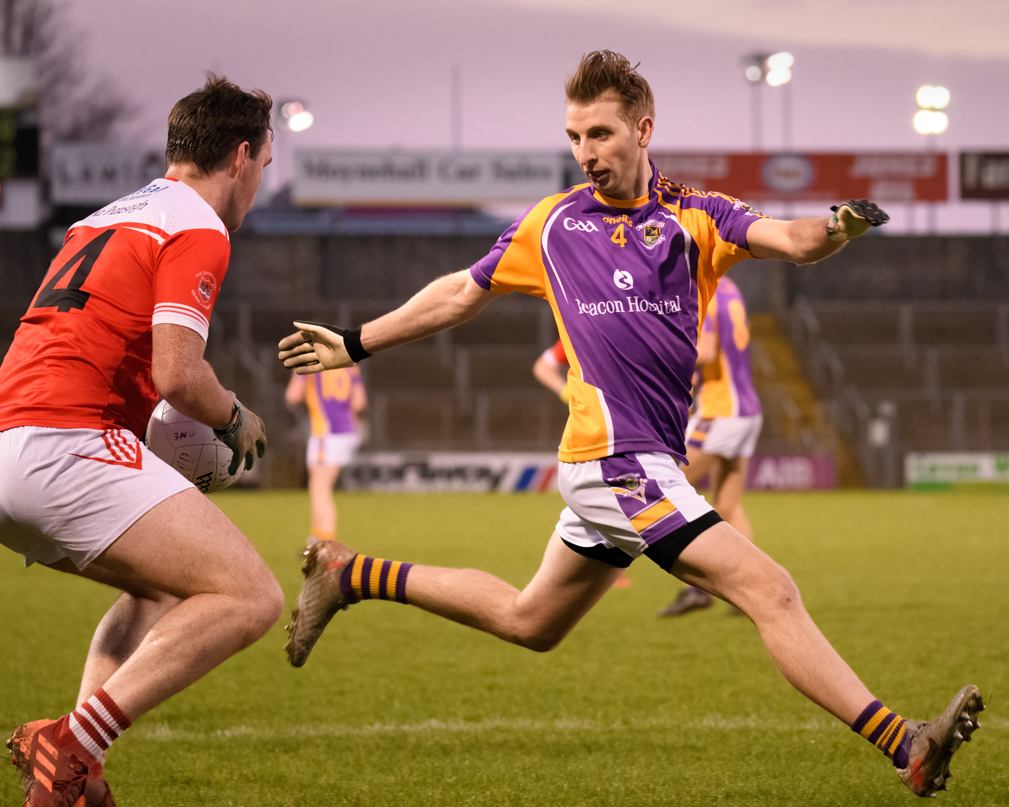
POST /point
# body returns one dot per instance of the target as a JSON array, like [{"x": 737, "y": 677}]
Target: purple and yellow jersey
[
  {"x": 629, "y": 283},
  {"x": 327, "y": 396},
  {"x": 726, "y": 388}
]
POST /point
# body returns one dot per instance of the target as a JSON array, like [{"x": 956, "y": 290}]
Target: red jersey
[
  {"x": 555, "y": 355},
  {"x": 81, "y": 357}
]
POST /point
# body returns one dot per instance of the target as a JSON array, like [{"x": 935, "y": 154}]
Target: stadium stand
[
  {"x": 900, "y": 345},
  {"x": 922, "y": 375}
]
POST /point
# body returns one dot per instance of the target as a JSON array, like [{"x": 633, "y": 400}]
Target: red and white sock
[{"x": 96, "y": 723}]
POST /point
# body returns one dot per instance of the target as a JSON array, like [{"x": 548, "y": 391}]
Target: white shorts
[
  {"x": 725, "y": 437},
  {"x": 619, "y": 508},
  {"x": 331, "y": 449},
  {"x": 69, "y": 493}
]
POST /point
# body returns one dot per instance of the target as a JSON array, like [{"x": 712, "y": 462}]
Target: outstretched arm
[
  {"x": 809, "y": 240},
  {"x": 443, "y": 303},
  {"x": 800, "y": 241}
]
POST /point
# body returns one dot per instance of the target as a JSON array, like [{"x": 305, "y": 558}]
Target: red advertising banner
[
  {"x": 984, "y": 175},
  {"x": 885, "y": 176}
]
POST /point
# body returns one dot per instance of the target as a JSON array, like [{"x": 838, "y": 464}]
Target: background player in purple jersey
[
  {"x": 723, "y": 430},
  {"x": 335, "y": 401},
  {"x": 628, "y": 262}
]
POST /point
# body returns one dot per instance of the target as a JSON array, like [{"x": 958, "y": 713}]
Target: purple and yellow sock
[
  {"x": 367, "y": 578},
  {"x": 886, "y": 730}
]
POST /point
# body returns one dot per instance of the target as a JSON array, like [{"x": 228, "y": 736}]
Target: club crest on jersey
[
  {"x": 748, "y": 210},
  {"x": 632, "y": 486},
  {"x": 206, "y": 285},
  {"x": 651, "y": 233}
]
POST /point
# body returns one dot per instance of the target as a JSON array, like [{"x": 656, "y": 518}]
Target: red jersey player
[{"x": 122, "y": 316}]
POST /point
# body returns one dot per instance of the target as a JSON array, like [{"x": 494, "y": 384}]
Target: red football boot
[
  {"x": 97, "y": 792},
  {"x": 51, "y": 775}
]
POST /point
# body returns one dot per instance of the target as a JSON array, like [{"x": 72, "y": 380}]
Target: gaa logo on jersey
[{"x": 206, "y": 286}]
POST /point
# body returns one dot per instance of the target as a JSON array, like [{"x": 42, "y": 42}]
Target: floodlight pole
[
  {"x": 786, "y": 116},
  {"x": 455, "y": 104}
]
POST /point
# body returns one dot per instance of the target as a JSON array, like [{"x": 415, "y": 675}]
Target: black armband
[{"x": 352, "y": 341}]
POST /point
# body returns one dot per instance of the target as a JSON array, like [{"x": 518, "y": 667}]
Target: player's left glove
[
  {"x": 853, "y": 218},
  {"x": 318, "y": 346},
  {"x": 244, "y": 434}
]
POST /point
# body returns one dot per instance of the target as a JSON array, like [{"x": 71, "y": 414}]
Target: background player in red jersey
[
  {"x": 551, "y": 370},
  {"x": 122, "y": 317}
]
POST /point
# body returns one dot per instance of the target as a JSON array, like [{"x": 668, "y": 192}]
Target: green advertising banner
[{"x": 946, "y": 470}]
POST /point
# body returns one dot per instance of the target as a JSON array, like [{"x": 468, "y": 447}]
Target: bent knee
[
  {"x": 263, "y": 606},
  {"x": 778, "y": 589}
]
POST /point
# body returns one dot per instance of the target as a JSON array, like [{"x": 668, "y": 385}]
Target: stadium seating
[{"x": 936, "y": 371}]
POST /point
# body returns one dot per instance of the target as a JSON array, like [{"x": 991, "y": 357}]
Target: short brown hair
[
  {"x": 206, "y": 125},
  {"x": 604, "y": 70}
]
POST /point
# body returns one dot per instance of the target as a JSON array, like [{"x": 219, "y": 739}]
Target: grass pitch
[{"x": 399, "y": 708}]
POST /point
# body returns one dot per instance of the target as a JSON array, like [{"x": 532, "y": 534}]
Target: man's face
[
  {"x": 247, "y": 184},
  {"x": 608, "y": 150}
]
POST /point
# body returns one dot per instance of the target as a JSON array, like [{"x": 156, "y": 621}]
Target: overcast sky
[{"x": 378, "y": 73}]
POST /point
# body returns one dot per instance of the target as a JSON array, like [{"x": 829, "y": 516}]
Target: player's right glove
[
  {"x": 318, "y": 346},
  {"x": 853, "y": 218},
  {"x": 244, "y": 435}
]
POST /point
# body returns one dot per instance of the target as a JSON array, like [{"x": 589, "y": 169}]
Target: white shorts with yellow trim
[
  {"x": 331, "y": 450},
  {"x": 70, "y": 493},
  {"x": 619, "y": 508},
  {"x": 728, "y": 437}
]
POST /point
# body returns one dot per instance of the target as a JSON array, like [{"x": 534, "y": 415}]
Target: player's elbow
[
  {"x": 538, "y": 637},
  {"x": 171, "y": 379},
  {"x": 815, "y": 251}
]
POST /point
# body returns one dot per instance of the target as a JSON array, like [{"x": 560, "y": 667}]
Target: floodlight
[
  {"x": 931, "y": 121},
  {"x": 930, "y": 97},
  {"x": 300, "y": 121},
  {"x": 780, "y": 61},
  {"x": 778, "y": 76}
]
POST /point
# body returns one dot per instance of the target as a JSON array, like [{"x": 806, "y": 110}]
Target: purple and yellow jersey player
[
  {"x": 335, "y": 401},
  {"x": 630, "y": 282},
  {"x": 727, "y": 416},
  {"x": 723, "y": 431},
  {"x": 629, "y": 264}
]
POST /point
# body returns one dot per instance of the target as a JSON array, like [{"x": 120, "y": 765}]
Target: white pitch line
[{"x": 162, "y": 732}]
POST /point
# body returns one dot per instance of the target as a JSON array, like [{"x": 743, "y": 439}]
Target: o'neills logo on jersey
[
  {"x": 630, "y": 305},
  {"x": 651, "y": 232},
  {"x": 206, "y": 285}
]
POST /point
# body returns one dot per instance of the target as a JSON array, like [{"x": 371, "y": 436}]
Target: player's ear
[
  {"x": 237, "y": 159},
  {"x": 645, "y": 128}
]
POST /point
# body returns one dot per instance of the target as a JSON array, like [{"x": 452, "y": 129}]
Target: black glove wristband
[
  {"x": 352, "y": 341},
  {"x": 233, "y": 425}
]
